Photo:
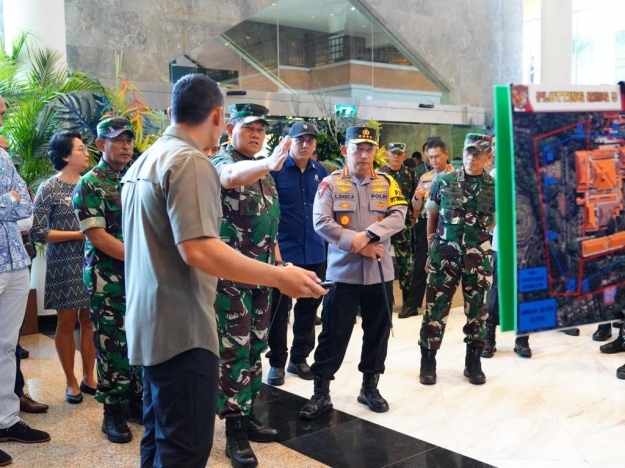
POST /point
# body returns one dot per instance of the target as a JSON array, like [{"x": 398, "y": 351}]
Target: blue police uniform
[{"x": 302, "y": 246}]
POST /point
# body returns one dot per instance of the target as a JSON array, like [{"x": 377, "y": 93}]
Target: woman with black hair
[{"x": 56, "y": 224}]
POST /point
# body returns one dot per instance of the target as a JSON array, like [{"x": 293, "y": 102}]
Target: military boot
[
  {"x": 521, "y": 346},
  {"x": 620, "y": 372},
  {"x": 114, "y": 424},
  {"x": 616, "y": 346},
  {"x": 491, "y": 345},
  {"x": 133, "y": 410},
  {"x": 256, "y": 432},
  {"x": 603, "y": 332},
  {"x": 320, "y": 403},
  {"x": 369, "y": 394},
  {"x": 427, "y": 374},
  {"x": 473, "y": 366},
  {"x": 238, "y": 448}
]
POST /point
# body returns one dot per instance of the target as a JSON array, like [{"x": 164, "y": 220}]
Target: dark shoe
[
  {"x": 603, "y": 333},
  {"x": 616, "y": 346},
  {"x": 28, "y": 405},
  {"x": 24, "y": 353},
  {"x": 84, "y": 388},
  {"x": 114, "y": 424},
  {"x": 427, "y": 374},
  {"x": 370, "y": 396},
  {"x": 317, "y": 320},
  {"x": 256, "y": 432},
  {"x": 276, "y": 376},
  {"x": 302, "y": 370},
  {"x": 320, "y": 403},
  {"x": 22, "y": 432},
  {"x": 5, "y": 458},
  {"x": 620, "y": 372},
  {"x": 490, "y": 348},
  {"x": 133, "y": 411},
  {"x": 73, "y": 399},
  {"x": 238, "y": 448},
  {"x": 571, "y": 331},
  {"x": 617, "y": 324},
  {"x": 407, "y": 311},
  {"x": 522, "y": 347},
  {"x": 473, "y": 366}
]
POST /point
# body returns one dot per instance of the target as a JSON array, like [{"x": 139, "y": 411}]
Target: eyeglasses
[
  {"x": 82, "y": 149},
  {"x": 474, "y": 154}
]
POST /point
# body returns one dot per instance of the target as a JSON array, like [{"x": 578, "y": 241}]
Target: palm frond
[{"x": 81, "y": 111}]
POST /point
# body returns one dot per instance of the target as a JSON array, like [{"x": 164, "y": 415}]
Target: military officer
[
  {"x": 250, "y": 225},
  {"x": 461, "y": 210},
  {"x": 396, "y": 153},
  {"x": 438, "y": 156},
  {"x": 356, "y": 211},
  {"x": 97, "y": 202}
]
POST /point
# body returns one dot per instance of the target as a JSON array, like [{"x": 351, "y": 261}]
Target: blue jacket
[{"x": 297, "y": 239}]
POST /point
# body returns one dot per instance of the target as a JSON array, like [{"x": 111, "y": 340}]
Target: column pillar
[
  {"x": 556, "y": 41},
  {"x": 44, "y": 19}
]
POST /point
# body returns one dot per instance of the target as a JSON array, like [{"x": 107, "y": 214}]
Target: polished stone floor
[{"x": 563, "y": 407}]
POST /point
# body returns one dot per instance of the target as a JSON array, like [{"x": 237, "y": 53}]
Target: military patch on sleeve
[
  {"x": 321, "y": 188},
  {"x": 344, "y": 220},
  {"x": 395, "y": 195}
]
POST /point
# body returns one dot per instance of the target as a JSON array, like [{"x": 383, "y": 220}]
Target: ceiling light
[
  {"x": 331, "y": 14},
  {"x": 353, "y": 8}
]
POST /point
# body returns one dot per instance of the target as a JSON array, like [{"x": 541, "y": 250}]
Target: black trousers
[
  {"x": 420, "y": 257},
  {"x": 304, "y": 312},
  {"x": 338, "y": 323},
  {"x": 492, "y": 301},
  {"x": 179, "y": 404}
]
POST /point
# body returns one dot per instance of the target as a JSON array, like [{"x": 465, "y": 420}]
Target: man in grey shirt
[{"x": 171, "y": 221}]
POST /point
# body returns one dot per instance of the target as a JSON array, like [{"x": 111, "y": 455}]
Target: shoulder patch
[
  {"x": 395, "y": 195},
  {"x": 321, "y": 188}
]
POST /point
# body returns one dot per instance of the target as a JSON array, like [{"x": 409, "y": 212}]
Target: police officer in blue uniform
[{"x": 356, "y": 211}]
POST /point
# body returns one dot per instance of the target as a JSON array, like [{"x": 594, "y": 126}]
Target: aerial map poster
[{"x": 560, "y": 205}]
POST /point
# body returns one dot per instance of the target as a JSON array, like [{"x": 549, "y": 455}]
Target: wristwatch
[{"x": 372, "y": 236}]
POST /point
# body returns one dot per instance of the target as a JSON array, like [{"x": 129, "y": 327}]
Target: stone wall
[{"x": 470, "y": 47}]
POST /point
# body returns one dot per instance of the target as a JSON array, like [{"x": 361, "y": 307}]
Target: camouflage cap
[
  {"x": 110, "y": 128},
  {"x": 396, "y": 146},
  {"x": 483, "y": 143},
  {"x": 362, "y": 135},
  {"x": 248, "y": 113}
]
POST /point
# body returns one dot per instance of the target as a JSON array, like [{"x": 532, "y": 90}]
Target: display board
[{"x": 560, "y": 205}]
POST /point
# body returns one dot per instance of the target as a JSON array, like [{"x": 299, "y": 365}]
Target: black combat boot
[
  {"x": 320, "y": 403},
  {"x": 521, "y": 346},
  {"x": 133, "y": 410},
  {"x": 473, "y": 366},
  {"x": 603, "y": 332},
  {"x": 238, "y": 448},
  {"x": 114, "y": 424},
  {"x": 491, "y": 345},
  {"x": 369, "y": 394},
  {"x": 613, "y": 347},
  {"x": 427, "y": 374},
  {"x": 620, "y": 372},
  {"x": 256, "y": 432}
]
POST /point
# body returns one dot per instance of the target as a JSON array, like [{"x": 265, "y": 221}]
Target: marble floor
[{"x": 564, "y": 407}]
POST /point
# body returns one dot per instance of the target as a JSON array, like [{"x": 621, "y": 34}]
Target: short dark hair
[
  {"x": 61, "y": 146},
  {"x": 417, "y": 155},
  {"x": 437, "y": 144},
  {"x": 425, "y": 146},
  {"x": 193, "y": 98}
]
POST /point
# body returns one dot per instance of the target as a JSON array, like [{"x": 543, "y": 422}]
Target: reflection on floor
[{"x": 563, "y": 407}]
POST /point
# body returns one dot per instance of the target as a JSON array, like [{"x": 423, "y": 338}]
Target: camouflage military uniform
[
  {"x": 401, "y": 241},
  {"x": 460, "y": 250},
  {"x": 250, "y": 225},
  {"x": 97, "y": 202}
]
